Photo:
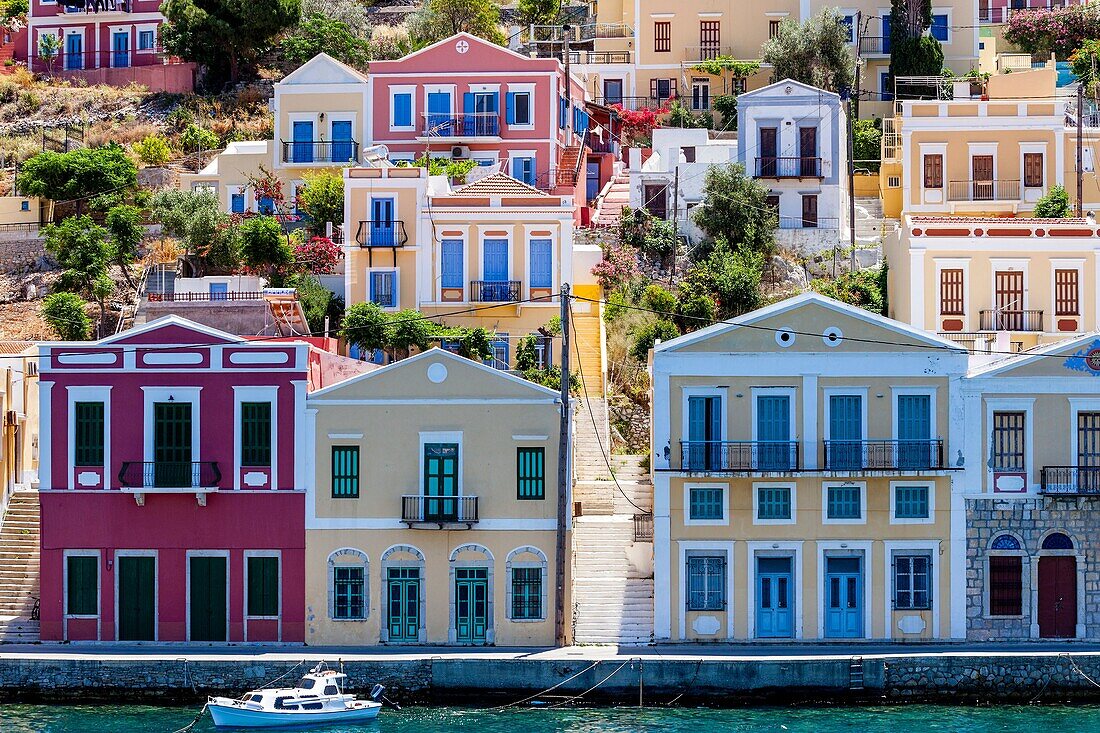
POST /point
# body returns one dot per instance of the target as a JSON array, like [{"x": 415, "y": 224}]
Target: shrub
[
  {"x": 730, "y": 278},
  {"x": 1053, "y": 205},
  {"x": 655, "y": 238},
  {"x": 318, "y": 256},
  {"x": 863, "y": 288},
  {"x": 657, "y": 298},
  {"x": 726, "y": 105},
  {"x": 263, "y": 245},
  {"x": 618, "y": 266},
  {"x": 198, "y": 138},
  {"x": 65, "y": 314},
  {"x": 648, "y": 335},
  {"x": 153, "y": 150},
  {"x": 366, "y": 326}
]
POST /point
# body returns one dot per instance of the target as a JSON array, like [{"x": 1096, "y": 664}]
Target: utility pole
[
  {"x": 675, "y": 218},
  {"x": 568, "y": 81},
  {"x": 563, "y": 474},
  {"x": 1080, "y": 150},
  {"x": 853, "y": 110}
]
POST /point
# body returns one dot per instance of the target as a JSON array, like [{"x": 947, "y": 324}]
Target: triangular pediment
[{"x": 323, "y": 69}]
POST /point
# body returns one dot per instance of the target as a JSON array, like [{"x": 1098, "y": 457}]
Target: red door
[{"x": 1057, "y": 597}]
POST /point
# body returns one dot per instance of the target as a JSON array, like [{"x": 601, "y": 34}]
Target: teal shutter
[
  {"x": 345, "y": 472},
  {"x": 82, "y": 585},
  {"x": 773, "y": 431},
  {"x": 911, "y": 502},
  {"x": 563, "y": 110},
  {"x": 706, "y": 503},
  {"x": 263, "y": 586},
  {"x": 256, "y": 434},
  {"x": 914, "y": 450},
  {"x": 88, "y": 433},
  {"x": 845, "y": 432},
  {"x": 531, "y": 473},
  {"x": 844, "y": 503},
  {"x": 773, "y": 502}
]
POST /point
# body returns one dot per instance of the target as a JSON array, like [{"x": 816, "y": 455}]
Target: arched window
[
  {"x": 1057, "y": 541},
  {"x": 526, "y": 567},
  {"x": 348, "y": 597},
  {"x": 1006, "y": 577},
  {"x": 1005, "y": 542}
]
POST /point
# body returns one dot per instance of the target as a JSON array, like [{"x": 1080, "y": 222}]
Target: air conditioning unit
[
  {"x": 460, "y": 151},
  {"x": 32, "y": 368}
]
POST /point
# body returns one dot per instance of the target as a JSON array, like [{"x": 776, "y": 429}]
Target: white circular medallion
[
  {"x": 437, "y": 372},
  {"x": 784, "y": 337},
  {"x": 462, "y": 46},
  {"x": 832, "y": 336}
]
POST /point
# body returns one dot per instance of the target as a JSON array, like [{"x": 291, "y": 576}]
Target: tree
[
  {"x": 318, "y": 256},
  {"x": 920, "y": 56},
  {"x": 653, "y": 237},
  {"x": 1060, "y": 31},
  {"x": 731, "y": 278},
  {"x": 321, "y": 197},
  {"x": 197, "y": 220},
  {"x": 65, "y": 314},
  {"x": 195, "y": 138},
  {"x": 124, "y": 225},
  {"x": 365, "y": 326},
  {"x": 351, "y": 13},
  {"x": 816, "y": 52},
  {"x": 735, "y": 208},
  {"x": 1054, "y": 204},
  {"x": 863, "y": 288},
  {"x": 453, "y": 169},
  {"x": 638, "y": 124},
  {"x": 78, "y": 175},
  {"x": 867, "y": 144},
  {"x": 408, "y": 329},
  {"x": 49, "y": 47},
  {"x": 226, "y": 36},
  {"x": 264, "y": 247},
  {"x": 647, "y": 336},
  {"x": 317, "y": 301},
  {"x": 153, "y": 150},
  {"x": 80, "y": 246},
  {"x": 537, "y": 12},
  {"x": 619, "y": 265},
  {"x": 444, "y": 18},
  {"x": 318, "y": 33},
  {"x": 1084, "y": 62}
]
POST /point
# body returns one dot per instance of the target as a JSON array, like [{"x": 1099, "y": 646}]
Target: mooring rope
[
  {"x": 548, "y": 689},
  {"x": 1079, "y": 670},
  {"x": 284, "y": 674},
  {"x": 187, "y": 728},
  {"x": 590, "y": 689},
  {"x": 698, "y": 666}
]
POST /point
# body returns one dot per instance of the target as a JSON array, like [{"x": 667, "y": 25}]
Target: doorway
[
  {"x": 471, "y": 605},
  {"x": 1057, "y": 597},
  {"x": 137, "y": 598},
  {"x": 774, "y": 598},
  {"x": 843, "y": 597},
  {"x": 206, "y": 589},
  {"x": 403, "y": 604},
  {"x": 172, "y": 445}
]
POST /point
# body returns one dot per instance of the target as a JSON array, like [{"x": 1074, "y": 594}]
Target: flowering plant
[
  {"x": 318, "y": 256},
  {"x": 1058, "y": 30}
]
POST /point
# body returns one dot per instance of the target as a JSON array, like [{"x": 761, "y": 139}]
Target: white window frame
[
  {"x": 757, "y": 485},
  {"x": 861, "y": 485},
  {"x": 528, "y": 89},
  {"x": 512, "y": 155},
  {"x": 930, "y": 519},
  {"x": 1041, "y": 149},
  {"x": 1067, "y": 264},
  {"x": 1006, "y": 264},
  {"x": 278, "y": 555},
  {"x": 954, "y": 263},
  {"x": 950, "y": 35},
  {"x": 396, "y": 271},
  {"x": 940, "y": 197},
  {"x": 1025, "y": 405},
  {"x": 722, "y": 393},
  {"x": 255, "y": 394},
  {"x": 354, "y": 558},
  {"x": 725, "y": 519},
  {"x": 1078, "y": 405},
  {"x": 706, "y": 547},
  {"x": 409, "y": 89},
  {"x": 555, "y": 246},
  {"x": 66, "y": 554},
  {"x": 445, "y": 436},
  {"x": 76, "y": 394},
  {"x": 438, "y": 279},
  {"x": 146, "y": 27},
  {"x": 249, "y": 200},
  {"x": 701, "y": 82},
  {"x": 153, "y": 395}
]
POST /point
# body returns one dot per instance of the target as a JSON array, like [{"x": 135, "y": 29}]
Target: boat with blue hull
[{"x": 318, "y": 699}]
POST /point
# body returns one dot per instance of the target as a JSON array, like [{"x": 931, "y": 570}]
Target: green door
[
  {"x": 137, "y": 598},
  {"x": 207, "y": 598},
  {"x": 471, "y": 605},
  {"x": 172, "y": 444},
  {"x": 404, "y": 604},
  {"x": 440, "y": 480}
]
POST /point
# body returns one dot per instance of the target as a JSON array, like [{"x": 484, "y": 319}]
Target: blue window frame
[
  {"x": 439, "y": 113},
  {"x": 266, "y": 205},
  {"x": 342, "y": 147},
  {"x": 302, "y": 130},
  {"x": 517, "y": 108},
  {"x": 383, "y": 288},
  {"x": 74, "y": 51},
  {"x": 401, "y": 114},
  {"x": 523, "y": 169},
  {"x": 706, "y": 583},
  {"x": 220, "y": 291},
  {"x": 940, "y": 29},
  {"x": 542, "y": 263},
  {"x": 706, "y": 503},
  {"x": 500, "y": 352},
  {"x": 911, "y": 502},
  {"x": 773, "y": 502},
  {"x": 451, "y": 263},
  {"x": 24, "y": 205},
  {"x": 146, "y": 40},
  {"x": 843, "y": 502},
  {"x": 236, "y": 202}
]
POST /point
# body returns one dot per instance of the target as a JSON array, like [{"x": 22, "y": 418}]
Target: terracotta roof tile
[
  {"x": 14, "y": 347},
  {"x": 499, "y": 184}
]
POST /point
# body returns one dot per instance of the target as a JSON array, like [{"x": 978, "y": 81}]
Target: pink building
[{"x": 172, "y": 473}]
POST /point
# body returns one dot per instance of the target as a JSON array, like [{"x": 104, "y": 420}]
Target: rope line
[
  {"x": 590, "y": 689},
  {"x": 548, "y": 689}
]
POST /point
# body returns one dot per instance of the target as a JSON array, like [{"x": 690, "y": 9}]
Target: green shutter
[
  {"x": 773, "y": 502},
  {"x": 844, "y": 502},
  {"x": 255, "y": 433},
  {"x": 345, "y": 472},
  {"x": 531, "y": 473},
  {"x": 263, "y": 586},
  {"x": 88, "y": 433},
  {"x": 706, "y": 503},
  {"x": 83, "y": 595},
  {"x": 911, "y": 502}
]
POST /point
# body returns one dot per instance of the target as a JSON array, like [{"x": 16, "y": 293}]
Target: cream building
[
  {"x": 431, "y": 513},
  {"x": 802, "y": 469},
  {"x": 19, "y": 407}
]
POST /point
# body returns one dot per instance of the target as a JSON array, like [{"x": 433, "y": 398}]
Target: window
[
  {"x": 527, "y": 594},
  {"x": 662, "y": 89},
  {"x": 401, "y": 104},
  {"x": 1005, "y": 585},
  {"x": 542, "y": 263},
  {"x": 255, "y": 433},
  {"x": 531, "y": 473},
  {"x": 563, "y": 111},
  {"x": 383, "y": 288},
  {"x": 517, "y": 108},
  {"x": 911, "y": 586},
  {"x": 88, "y": 433},
  {"x": 941, "y": 29},
  {"x": 348, "y": 592},
  {"x": 1065, "y": 293},
  {"x": 24, "y": 205},
  {"x": 773, "y": 28},
  {"x": 773, "y": 502},
  {"x": 710, "y": 38},
  {"x": 266, "y": 205},
  {"x": 706, "y": 583},
  {"x": 236, "y": 202},
  {"x": 263, "y": 586},
  {"x": 82, "y": 585},
  {"x": 523, "y": 169},
  {"x": 1008, "y": 442},
  {"x": 345, "y": 472},
  {"x": 1033, "y": 170},
  {"x": 911, "y": 502},
  {"x": 1088, "y": 448},
  {"x": 146, "y": 40},
  {"x": 707, "y": 503},
  {"x": 662, "y": 36},
  {"x": 700, "y": 95},
  {"x": 849, "y": 22},
  {"x": 1057, "y": 541},
  {"x": 951, "y": 292},
  {"x": 933, "y": 171},
  {"x": 451, "y": 263},
  {"x": 843, "y": 502}
]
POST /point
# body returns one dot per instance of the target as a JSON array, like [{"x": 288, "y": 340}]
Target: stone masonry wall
[{"x": 21, "y": 254}]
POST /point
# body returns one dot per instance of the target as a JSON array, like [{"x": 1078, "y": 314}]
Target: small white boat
[{"x": 318, "y": 699}]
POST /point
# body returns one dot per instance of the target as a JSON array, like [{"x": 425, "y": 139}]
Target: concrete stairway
[
  {"x": 19, "y": 553},
  {"x": 612, "y": 600},
  {"x": 567, "y": 166},
  {"x": 587, "y": 345},
  {"x": 871, "y": 225},
  {"x": 609, "y": 208}
]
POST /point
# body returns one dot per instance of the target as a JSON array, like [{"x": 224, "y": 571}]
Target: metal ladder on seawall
[{"x": 855, "y": 674}]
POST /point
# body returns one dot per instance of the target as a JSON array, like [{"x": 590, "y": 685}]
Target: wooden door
[
  {"x": 656, "y": 199},
  {"x": 471, "y": 605},
  {"x": 843, "y": 598},
  {"x": 1057, "y": 597},
  {"x": 710, "y": 36},
  {"x": 982, "y": 177},
  {"x": 774, "y": 591},
  {"x": 137, "y": 598},
  {"x": 768, "y": 145},
  {"x": 1009, "y": 295},
  {"x": 809, "y": 211},
  {"x": 207, "y": 598},
  {"x": 404, "y": 604},
  {"x": 172, "y": 445},
  {"x": 807, "y": 152}
]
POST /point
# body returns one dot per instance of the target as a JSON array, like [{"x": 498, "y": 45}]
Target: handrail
[
  {"x": 416, "y": 508},
  {"x": 320, "y": 151},
  {"x": 381, "y": 233},
  {"x": 1010, "y": 319},
  {"x": 462, "y": 124},
  {"x": 1074, "y": 480},
  {"x": 494, "y": 291},
  {"x": 771, "y": 166},
  {"x": 902, "y": 455},
  {"x": 739, "y": 455},
  {"x": 983, "y": 190},
  {"x": 169, "y": 474}
]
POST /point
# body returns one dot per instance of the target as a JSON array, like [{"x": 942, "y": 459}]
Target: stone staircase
[
  {"x": 19, "y": 553},
  {"x": 871, "y": 225},
  {"x": 587, "y": 346},
  {"x": 567, "y": 166},
  {"x": 609, "y": 208}
]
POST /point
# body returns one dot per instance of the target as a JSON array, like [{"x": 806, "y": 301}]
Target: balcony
[
  {"x": 978, "y": 342},
  {"x": 474, "y": 124},
  {"x": 738, "y": 455},
  {"x": 1010, "y": 320},
  {"x": 1070, "y": 480},
  {"x": 381, "y": 233},
  {"x": 875, "y": 45},
  {"x": 604, "y": 30},
  {"x": 695, "y": 54},
  {"x": 105, "y": 6},
  {"x": 884, "y": 455},
  {"x": 320, "y": 151},
  {"x": 599, "y": 57},
  {"x": 633, "y": 104},
  {"x": 494, "y": 291},
  {"x": 808, "y": 222},
  {"x": 439, "y": 510},
  {"x": 976, "y": 191},
  {"x": 772, "y": 167},
  {"x": 169, "y": 477}
]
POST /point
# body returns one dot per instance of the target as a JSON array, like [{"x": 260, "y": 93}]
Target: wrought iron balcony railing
[
  {"x": 881, "y": 455},
  {"x": 772, "y": 167},
  {"x": 490, "y": 291},
  {"x": 643, "y": 527},
  {"x": 706, "y": 53},
  {"x": 416, "y": 508},
  {"x": 381, "y": 233},
  {"x": 874, "y": 45},
  {"x": 169, "y": 474},
  {"x": 1071, "y": 480},
  {"x": 738, "y": 455},
  {"x": 599, "y": 57},
  {"x": 1010, "y": 320},
  {"x": 320, "y": 151},
  {"x": 473, "y": 124},
  {"x": 633, "y": 103},
  {"x": 1000, "y": 190}
]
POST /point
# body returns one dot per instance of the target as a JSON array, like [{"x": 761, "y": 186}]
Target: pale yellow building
[
  {"x": 19, "y": 408},
  {"x": 431, "y": 510}
]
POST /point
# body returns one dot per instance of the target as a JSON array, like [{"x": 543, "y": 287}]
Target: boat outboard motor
[{"x": 376, "y": 694}]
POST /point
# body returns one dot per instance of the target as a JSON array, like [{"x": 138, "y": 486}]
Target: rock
[{"x": 782, "y": 274}]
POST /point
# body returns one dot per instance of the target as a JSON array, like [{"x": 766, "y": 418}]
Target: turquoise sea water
[{"x": 894, "y": 719}]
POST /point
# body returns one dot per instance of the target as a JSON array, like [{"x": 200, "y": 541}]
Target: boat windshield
[{"x": 307, "y": 683}]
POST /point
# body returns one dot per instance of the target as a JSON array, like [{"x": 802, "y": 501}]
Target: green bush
[
  {"x": 863, "y": 288},
  {"x": 153, "y": 150},
  {"x": 198, "y": 138},
  {"x": 65, "y": 314},
  {"x": 648, "y": 335},
  {"x": 726, "y": 105},
  {"x": 657, "y": 298},
  {"x": 1053, "y": 205}
]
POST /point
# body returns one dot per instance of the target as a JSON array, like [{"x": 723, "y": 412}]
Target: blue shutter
[
  {"x": 402, "y": 110},
  {"x": 939, "y": 28},
  {"x": 495, "y": 260},
  {"x": 510, "y": 108},
  {"x": 886, "y": 33},
  {"x": 303, "y": 142},
  {"x": 914, "y": 448},
  {"x": 469, "y": 106},
  {"x": 439, "y": 111},
  {"x": 563, "y": 110},
  {"x": 697, "y": 418},
  {"x": 845, "y": 432},
  {"x": 451, "y": 263},
  {"x": 542, "y": 261},
  {"x": 773, "y": 431},
  {"x": 342, "y": 141},
  {"x": 236, "y": 202}
]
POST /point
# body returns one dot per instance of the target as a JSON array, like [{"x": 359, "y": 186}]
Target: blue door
[
  {"x": 843, "y": 598},
  {"x": 382, "y": 227},
  {"x": 774, "y": 598},
  {"x": 74, "y": 51},
  {"x": 773, "y": 432},
  {"x": 303, "y": 142},
  {"x": 886, "y": 34},
  {"x": 884, "y": 85},
  {"x": 845, "y": 452},
  {"x": 494, "y": 270},
  {"x": 704, "y": 449},
  {"x": 343, "y": 151},
  {"x": 120, "y": 50},
  {"x": 592, "y": 180},
  {"x": 914, "y": 431},
  {"x": 480, "y": 113},
  {"x": 219, "y": 291},
  {"x": 439, "y": 113}
]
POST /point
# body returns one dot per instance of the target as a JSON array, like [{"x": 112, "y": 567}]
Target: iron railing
[
  {"x": 1074, "y": 480},
  {"x": 320, "y": 151},
  {"x": 978, "y": 342},
  {"x": 809, "y": 222},
  {"x": 605, "y": 30},
  {"x": 494, "y": 291},
  {"x": 473, "y": 124},
  {"x": 738, "y": 455},
  {"x": 596, "y": 145},
  {"x": 381, "y": 233},
  {"x": 999, "y": 319},
  {"x": 903, "y": 455},
  {"x": 643, "y": 527},
  {"x": 204, "y": 297},
  {"x": 441, "y": 509},
  {"x": 65, "y": 61},
  {"x": 772, "y": 167},
  {"x": 94, "y": 6},
  {"x": 599, "y": 57},
  {"x": 999, "y": 190},
  {"x": 169, "y": 474},
  {"x": 874, "y": 44},
  {"x": 633, "y": 103},
  {"x": 706, "y": 53}
]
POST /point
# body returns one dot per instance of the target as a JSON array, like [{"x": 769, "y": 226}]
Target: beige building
[
  {"x": 431, "y": 512},
  {"x": 19, "y": 405}
]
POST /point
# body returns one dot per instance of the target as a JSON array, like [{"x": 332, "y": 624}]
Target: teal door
[
  {"x": 120, "y": 50},
  {"x": 342, "y": 147},
  {"x": 773, "y": 432},
  {"x": 845, "y": 433},
  {"x": 440, "y": 482},
  {"x": 207, "y": 599},
  {"x": 774, "y": 590},
  {"x": 403, "y": 604},
  {"x": 303, "y": 142},
  {"x": 137, "y": 598},
  {"x": 914, "y": 431},
  {"x": 843, "y": 597},
  {"x": 74, "y": 51},
  {"x": 704, "y": 448},
  {"x": 172, "y": 445},
  {"x": 471, "y": 605}
]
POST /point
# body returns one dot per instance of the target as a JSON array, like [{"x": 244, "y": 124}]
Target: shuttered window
[
  {"x": 542, "y": 263},
  {"x": 662, "y": 36},
  {"x": 1008, "y": 442},
  {"x": 82, "y": 585},
  {"x": 773, "y": 502},
  {"x": 263, "y": 586},
  {"x": 911, "y": 502},
  {"x": 911, "y": 582},
  {"x": 451, "y": 253},
  {"x": 1066, "y": 301},
  {"x": 531, "y": 473},
  {"x": 933, "y": 171},
  {"x": 706, "y": 503},
  {"x": 773, "y": 28},
  {"x": 527, "y": 594},
  {"x": 951, "y": 292},
  {"x": 1033, "y": 170},
  {"x": 662, "y": 89},
  {"x": 88, "y": 433},
  {"x": 255, "y": 433},
  {"x": 345, "y": 472},
  {"x": 349, "y": 591},
  {"x": 1005, "y": 585},
  {"x": 843, "y": 502}
]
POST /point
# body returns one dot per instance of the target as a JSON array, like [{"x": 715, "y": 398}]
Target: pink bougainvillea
[
  {"x": 1059, "y": 30},
  {"x": 638, "y": 124},
  {"x": 318, "y": 256},
  {"x": 619, "y": 265}
]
